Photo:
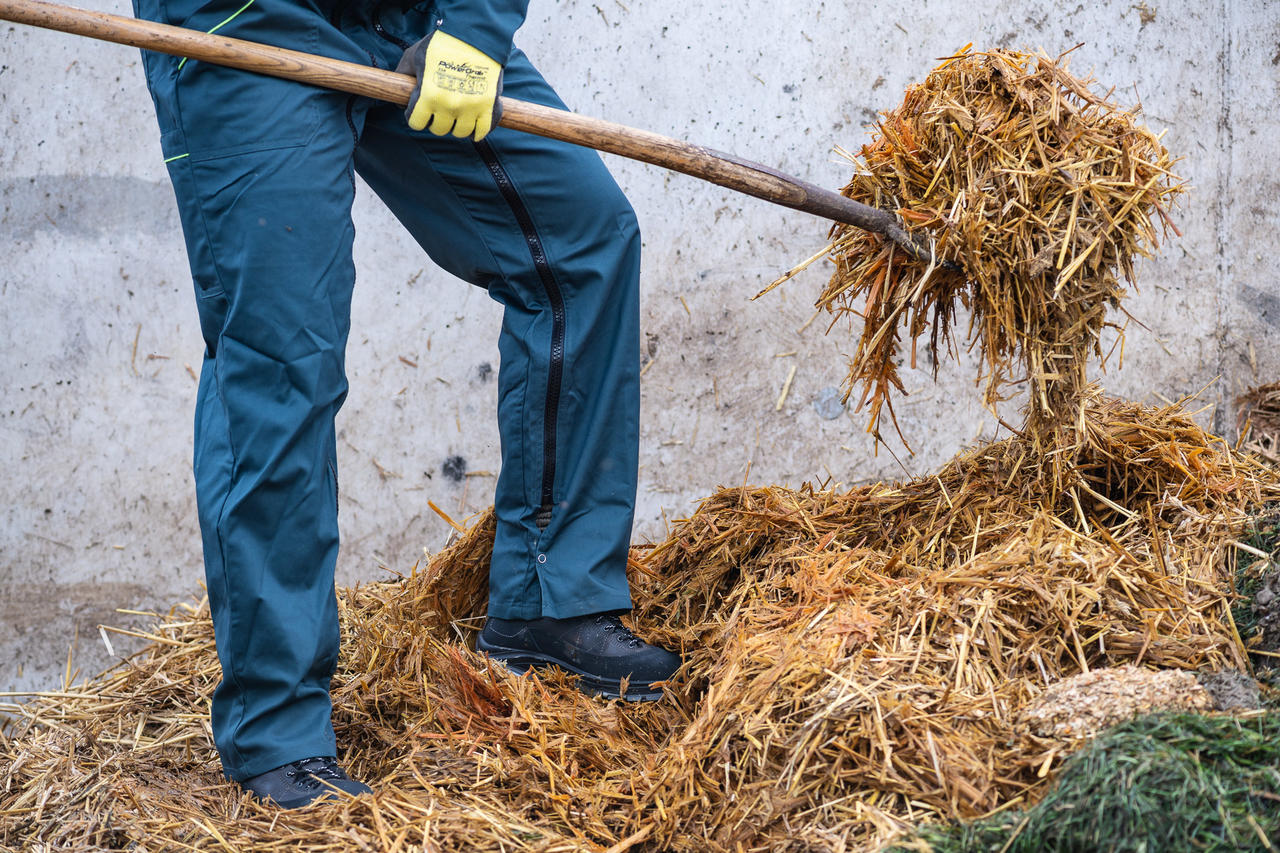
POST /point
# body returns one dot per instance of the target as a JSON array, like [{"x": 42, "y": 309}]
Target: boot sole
[{"x": 520, "y": 661}]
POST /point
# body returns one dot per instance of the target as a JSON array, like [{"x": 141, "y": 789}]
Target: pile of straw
[
  {"x": 1039, "y": 188},
  {"x": 1259, "y": 421},
  {"x": 856, "y": 662}
]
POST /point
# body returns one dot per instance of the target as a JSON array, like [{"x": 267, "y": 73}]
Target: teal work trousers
[{"x": 263, "y": 170}]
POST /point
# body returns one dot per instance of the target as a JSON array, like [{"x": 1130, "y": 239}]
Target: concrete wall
[{"x": 98, "y": 337}]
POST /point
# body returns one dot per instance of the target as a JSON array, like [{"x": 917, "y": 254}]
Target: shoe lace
[
  {"x": 613, "y": 625},
  {"x": 311, "y": 773}
]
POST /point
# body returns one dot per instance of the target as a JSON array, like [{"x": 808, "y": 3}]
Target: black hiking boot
[
  {"x": 302, "y": 783},
  {"x": 597, "y": 648}
]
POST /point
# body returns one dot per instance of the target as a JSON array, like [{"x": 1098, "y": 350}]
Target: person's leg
[
  {"x": 543, "y": 226},
  {"x": 262, "y": 173}
]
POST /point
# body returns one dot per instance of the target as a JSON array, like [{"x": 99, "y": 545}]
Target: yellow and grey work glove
[{"x": 458, "y": 87}]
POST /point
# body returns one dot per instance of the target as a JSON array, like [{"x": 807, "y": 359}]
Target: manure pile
[
  {"x": 857, "y": 663},
  {"x": 1039, "y": 190}
]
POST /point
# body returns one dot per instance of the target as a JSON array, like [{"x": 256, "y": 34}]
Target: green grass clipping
[{"x": 1158, "y": 783}]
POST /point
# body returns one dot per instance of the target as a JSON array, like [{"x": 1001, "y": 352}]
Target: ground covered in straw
[{"x": 858, "y": 663}]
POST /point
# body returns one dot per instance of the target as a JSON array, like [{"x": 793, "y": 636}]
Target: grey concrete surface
[{"x": 98, "y": 336}]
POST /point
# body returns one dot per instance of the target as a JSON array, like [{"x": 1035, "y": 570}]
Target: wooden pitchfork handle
[{"x": 705, "y": 163}]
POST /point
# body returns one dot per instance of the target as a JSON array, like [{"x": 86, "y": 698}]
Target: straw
[
  {"x": 856, "y": 663},
  {"x": 1039, "y": 188}
]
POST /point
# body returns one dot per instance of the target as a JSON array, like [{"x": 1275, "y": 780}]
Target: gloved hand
[{"x": 458, "y": 87}]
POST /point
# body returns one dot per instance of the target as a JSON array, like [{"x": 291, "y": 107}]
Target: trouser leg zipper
[{"x": 555, "y": 297}]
